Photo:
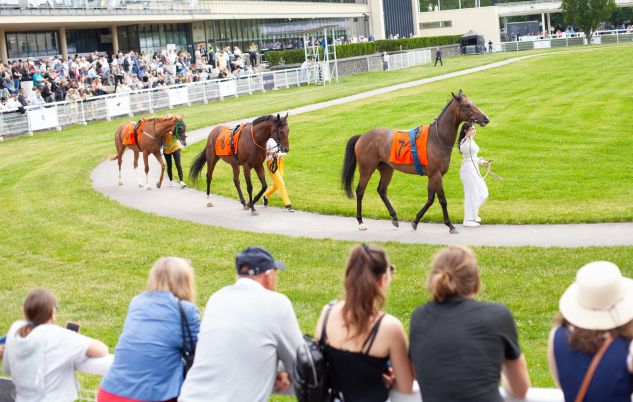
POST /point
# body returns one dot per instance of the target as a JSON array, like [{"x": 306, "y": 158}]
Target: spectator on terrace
[
  {"x": 35, "y": 99},
  {"x": 457, "y": 340},
  {"x": 366, "y": 349},
  {"x": 596, "y": 316},
  {"x": 247, "y": 329},
  {"x": 40, "y": 356},
  {"x": 147, "y": 359}
]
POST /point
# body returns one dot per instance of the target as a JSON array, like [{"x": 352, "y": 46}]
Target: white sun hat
[{"x": 600, "y": 299}]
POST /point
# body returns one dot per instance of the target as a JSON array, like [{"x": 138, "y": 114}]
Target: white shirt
[
  {"x": 42, "y": 363},
  {"x": 245, "y": 331},
  {"x": 469, "y": 150}
]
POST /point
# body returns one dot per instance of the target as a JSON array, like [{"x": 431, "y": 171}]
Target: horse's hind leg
[
  {"x": 429, "y": 202},
  {"x": 238, "y": 186},
  {"x": 160, "y": 160},
  {"x": 120, "y": 150},
  {"x": 386, "y": 173},
  {"x": 210, "y": 167},
  {"x": 146, "y": 161},
  {"x": 365, "y": 175}
]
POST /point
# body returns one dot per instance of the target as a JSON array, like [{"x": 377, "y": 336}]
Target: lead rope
[{"x": 488, "y": 171}]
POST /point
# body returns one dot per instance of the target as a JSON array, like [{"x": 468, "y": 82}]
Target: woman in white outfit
[{"x": 475, "y": 189}]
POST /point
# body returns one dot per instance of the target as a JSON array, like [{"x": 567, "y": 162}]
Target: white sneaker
[
  {"x": 478, "y": 220},
  {"x": 183, "y": 185},
  {"x": 470, "y": 224},
  {"x": 171, "y": 183}
]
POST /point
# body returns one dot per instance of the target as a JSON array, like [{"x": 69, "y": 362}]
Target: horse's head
[
  {"x": 280, "y": 132},
  {"x": 468, "y": 111},
  {"x": 180, "y": 130}
]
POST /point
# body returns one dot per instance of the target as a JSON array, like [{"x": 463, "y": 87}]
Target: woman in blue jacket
[{"x": 147, "y": 359}]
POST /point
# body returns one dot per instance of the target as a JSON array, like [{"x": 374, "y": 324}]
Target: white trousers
[{"x": 475, "y": 190}]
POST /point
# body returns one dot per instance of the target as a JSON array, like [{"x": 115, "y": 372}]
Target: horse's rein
[
  {"x": 437, "y": 134},
  {"x": 488, "y": 171},
  {"x": 255, "y": 142}
]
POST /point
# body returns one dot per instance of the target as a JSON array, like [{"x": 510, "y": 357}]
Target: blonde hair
[
  {"x": 175, "y": 275},
  {"x": 454, "y": 272}
]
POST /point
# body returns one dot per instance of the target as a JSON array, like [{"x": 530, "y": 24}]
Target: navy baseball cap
[{"x": 256, "y": 260}]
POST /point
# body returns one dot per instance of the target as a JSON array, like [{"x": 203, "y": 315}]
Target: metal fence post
[
  {"x": 250, "y": 92},
  {"x": 28, "y": 120},
  {"x": 286, "y": 78},
  {"x": 108, "y": 117},
  {"x": 150, "y": 109},
  {"x": 83, "y": 114},
  {"x": 204, "y": 93}
]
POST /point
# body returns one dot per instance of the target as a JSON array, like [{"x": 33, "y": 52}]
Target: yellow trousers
[{"x": 278, "y": 182}]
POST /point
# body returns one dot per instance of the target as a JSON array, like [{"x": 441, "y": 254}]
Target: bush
[{"x": 274, "y": 57}]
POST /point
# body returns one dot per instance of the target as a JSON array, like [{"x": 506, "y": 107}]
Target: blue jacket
[{"x": 147, "y": 364}]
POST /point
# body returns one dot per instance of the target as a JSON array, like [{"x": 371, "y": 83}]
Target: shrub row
[{"x": 275, "y": 57}]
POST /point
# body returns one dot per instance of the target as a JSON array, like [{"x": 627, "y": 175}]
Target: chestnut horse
[
  {"x": 149, "y": 141},
  {"x": 371, "y": 151},
  {"x": 251, "y": 154}
]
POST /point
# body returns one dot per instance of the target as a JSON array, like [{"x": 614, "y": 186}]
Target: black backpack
[{"x": 311, "y": 374}]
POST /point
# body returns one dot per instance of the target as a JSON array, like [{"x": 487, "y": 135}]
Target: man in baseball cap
[{"x": 247, "y": 330}]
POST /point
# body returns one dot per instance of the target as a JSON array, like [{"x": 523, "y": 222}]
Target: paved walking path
[{"x": 190, "y": 205}]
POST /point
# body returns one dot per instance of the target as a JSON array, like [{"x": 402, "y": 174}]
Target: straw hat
[{"x": 600, "y": 299}]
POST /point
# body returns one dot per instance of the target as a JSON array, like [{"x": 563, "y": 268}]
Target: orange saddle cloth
[
  {"x": 401, "y": 147},
  {"x": 223, "y": 143},
  {"x": 128, "y": 133}
]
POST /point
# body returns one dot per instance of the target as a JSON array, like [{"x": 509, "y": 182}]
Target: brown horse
[
  {"x": 251, "y": 154},
  {"x": 149, "y": 140},
  {"x": 371, "y": 151}
]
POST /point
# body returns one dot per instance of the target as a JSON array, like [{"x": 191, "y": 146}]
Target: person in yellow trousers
[
  {"x": 171, "y": 150},
  {"x": 275, "y": 161}
]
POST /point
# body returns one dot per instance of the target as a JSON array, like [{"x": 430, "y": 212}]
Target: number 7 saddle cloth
[
  {"x": 404, "y": 153},
  {"x": 129, "y": 138}
]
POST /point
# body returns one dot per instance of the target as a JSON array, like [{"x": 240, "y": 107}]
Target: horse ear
[
  {"x": 460, "y": 93},
  {"x": 286, "y": 116},
  {"x": 454, "y": 97},
  {"x": 278, "y": 118}
]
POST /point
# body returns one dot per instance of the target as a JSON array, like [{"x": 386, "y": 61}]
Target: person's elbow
[
  {"x": 517, "y": 379},
  {"x": 97, "y": 349}
]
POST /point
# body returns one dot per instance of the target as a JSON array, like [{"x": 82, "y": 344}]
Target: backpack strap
[
  {"x": 372, "y": 336},
  {"x": 592, "y": 369},
  {"x": 330, "y": 306}
]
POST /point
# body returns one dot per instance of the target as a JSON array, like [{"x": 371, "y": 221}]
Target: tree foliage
[{"x": 587, "y": 14}]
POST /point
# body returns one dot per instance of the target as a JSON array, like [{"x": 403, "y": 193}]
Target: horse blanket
[
  {"x": 128, "y": 132},
  {"x": 223, "y": 143},
  {"x": 403, "y": 153}
]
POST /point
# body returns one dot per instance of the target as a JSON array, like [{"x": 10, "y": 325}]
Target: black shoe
[
  {"x": 289, "y": 208},
  {"x": 265, "y": 201}
]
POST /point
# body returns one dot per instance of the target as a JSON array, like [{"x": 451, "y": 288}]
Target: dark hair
[
  {"x": 462, "y": 134},
  {"x": 588, "y": 340},
  {"x": 38, "y": 308},
  {"x": 363, "y": 297},
  {"x": 453, "y": 273}
]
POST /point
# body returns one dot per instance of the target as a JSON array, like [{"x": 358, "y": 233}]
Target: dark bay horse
[
  {"x": 149, "y": 141},
  {"x": 250, "y": 155},
  {"x": 371, "y": 151}
]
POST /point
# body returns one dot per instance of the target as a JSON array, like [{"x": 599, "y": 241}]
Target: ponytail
[
  {"x": 363, "y": 296},
  {"x": 39, "y": 307},
  {"x": 462, "y": 135},
  {"x": 453, "y": 273}
]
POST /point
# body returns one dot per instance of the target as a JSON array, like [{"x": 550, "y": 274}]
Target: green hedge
[{"x": 275, "y": 57}]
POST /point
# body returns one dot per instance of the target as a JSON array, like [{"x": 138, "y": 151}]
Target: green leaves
[{"x": 587, "y": 14}]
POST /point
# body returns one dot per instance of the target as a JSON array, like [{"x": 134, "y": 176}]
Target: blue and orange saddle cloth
[{"x": 409, "y": 148}]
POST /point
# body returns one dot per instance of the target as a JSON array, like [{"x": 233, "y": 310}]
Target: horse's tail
[
  {"x": 197, "y": 165},
  {"x": 113, "y": 157},
  {"x": 349, "y": 166}
]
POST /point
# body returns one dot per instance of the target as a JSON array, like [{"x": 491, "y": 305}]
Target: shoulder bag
[{"x": 187, "y": 353}]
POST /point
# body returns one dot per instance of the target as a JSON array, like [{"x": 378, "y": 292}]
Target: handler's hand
[
  {"x": 485, "y": 163},
  {"x": 282, "y": 381}
]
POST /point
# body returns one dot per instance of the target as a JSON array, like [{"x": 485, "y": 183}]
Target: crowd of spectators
[
  {"x": 247, "y": 341},
  {"x": 80, "y": 77}
]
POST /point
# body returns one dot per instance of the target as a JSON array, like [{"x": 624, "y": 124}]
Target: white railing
[
  {"x": 59, "y": 114},
  {"x": 564, "y": 40},
  {"x": 409, "y": 59}
]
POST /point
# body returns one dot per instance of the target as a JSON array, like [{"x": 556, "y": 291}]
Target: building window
[
  {"x": 436, "y": 24},
  {"x": 31, "y": 44}
]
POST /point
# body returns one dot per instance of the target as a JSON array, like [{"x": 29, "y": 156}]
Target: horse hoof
[
  {"x": 209, "y": 204},
  {"x": 453, "y": 231},
  {"x": 362, "y": 227},
  {"x": 158, "y": 185},
  {"x": 395, "y": 223},
  {"x": 245, "y": 207},
  {"x": 120, "y": 182},
  {"x": 148, "y": 187},
  {"x": 254, "y": 213},
  {"x": 140, "y": 185},
  {"x": 414, "y": 225}
]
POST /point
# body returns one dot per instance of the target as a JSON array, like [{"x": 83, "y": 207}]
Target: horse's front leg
[
  {"x": 261, "y": 174},
  {"x": 236, "y": 182},
  {"x": 160, "y": 160},
  {"x": 429, "y": 202},
  {"x": 138, "y": 177},
  {"x": 442, "y": 198},
  {"x": 146, "y": 162}
]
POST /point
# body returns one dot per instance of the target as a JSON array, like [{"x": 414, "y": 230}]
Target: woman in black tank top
[{"x": 361, "y": 342}]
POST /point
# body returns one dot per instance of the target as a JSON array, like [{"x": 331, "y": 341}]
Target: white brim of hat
[{"x": 582, "y": 317}]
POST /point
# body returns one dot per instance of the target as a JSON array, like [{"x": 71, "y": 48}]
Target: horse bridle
[{"x": 277, "y": 140}]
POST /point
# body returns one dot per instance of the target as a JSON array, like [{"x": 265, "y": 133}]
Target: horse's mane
[
  {"x": 444, "y": 110},
  {"x": 263, "y": 119},
  {"x": 168, "y": 117}
]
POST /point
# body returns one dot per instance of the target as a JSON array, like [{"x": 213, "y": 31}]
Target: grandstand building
[{"x": 38, "y": 28}]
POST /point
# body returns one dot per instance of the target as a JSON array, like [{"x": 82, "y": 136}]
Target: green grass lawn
[
  {"x": 560, "y": 136},
  {"x": 56, "y": 232}
]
